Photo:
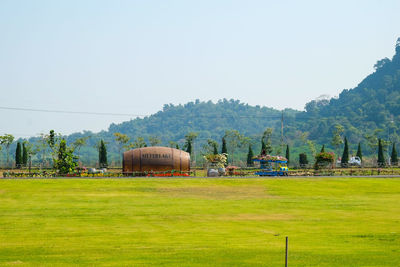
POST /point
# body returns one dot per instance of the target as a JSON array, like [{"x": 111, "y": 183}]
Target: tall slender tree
[
  {"x": 287, "y": 154},
  {"x": 345, "y": 155},
  {"x": 381, "y": 156},
  {"x": 250, "y": 155},
  {"x": 53, "y": 140},
  {"x": 215, "y": 147},
  {"x": 393, "y": 158},
  {"x": 18, "y": 156},
  {"x": 24, "y": 155},
  {"x": 359, "y": 152},
  {"x": 224, "y": 149},
  {"x": 102, "y": 155}
]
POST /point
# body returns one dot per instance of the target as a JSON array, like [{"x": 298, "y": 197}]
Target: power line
[
  {"x": 188, "y": 115},
  {"x": 73, "y": 112}
]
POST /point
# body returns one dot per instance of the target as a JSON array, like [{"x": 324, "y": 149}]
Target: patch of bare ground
[
  {"x": 13, "y": 263},
  {"x": 255, "y": 217},
  {"x": 218, "y": 192}
]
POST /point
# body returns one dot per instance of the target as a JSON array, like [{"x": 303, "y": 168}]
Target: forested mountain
[{"x": 369, "y": 111}]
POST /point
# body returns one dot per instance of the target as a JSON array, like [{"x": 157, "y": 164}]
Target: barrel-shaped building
[{"x": 155, "y": 159}]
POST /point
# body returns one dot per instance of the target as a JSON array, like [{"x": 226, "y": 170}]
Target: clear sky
[{"x": 135, "y": 56}]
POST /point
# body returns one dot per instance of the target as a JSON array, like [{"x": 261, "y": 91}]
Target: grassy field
[{"x": 198, "y": 222}]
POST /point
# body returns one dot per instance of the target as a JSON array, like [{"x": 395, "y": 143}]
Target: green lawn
[{"x": 197, "y": 222}]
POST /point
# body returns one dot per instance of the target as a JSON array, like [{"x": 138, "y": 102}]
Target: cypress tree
[
  {"x": 177, "y": 146},
  {"x": 381, "y": 157},
  {"x": 393, "y": 159},
  {"x": 223, "y": 149},
  {"x": 323, "y": 149},
  {"x": 215, "y": 152},
  {"x": 102, "y": 155},
  {"x": 250, "y": 155},
  {"x": 345, "y": 156},
  {"x": 359, "y": 152},
  {"x": 24, "y": 155},
  {"x": 287, "y": 155},
  {"x": 18, "y": 156}
]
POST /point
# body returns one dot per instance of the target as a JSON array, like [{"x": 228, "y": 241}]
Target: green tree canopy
[{"x": 66, "y": 161}]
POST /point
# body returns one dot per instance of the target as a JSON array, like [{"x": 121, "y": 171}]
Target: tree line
[{"x": 238, "y": 147}]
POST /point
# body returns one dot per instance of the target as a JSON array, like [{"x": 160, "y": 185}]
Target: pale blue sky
[{"x": 134, "y": 56}]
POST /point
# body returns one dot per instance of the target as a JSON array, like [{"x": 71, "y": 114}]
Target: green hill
[{"x": 372, "y": 108}]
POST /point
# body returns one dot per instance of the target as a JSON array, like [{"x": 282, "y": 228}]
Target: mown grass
[{"x": 200, "y": 222}]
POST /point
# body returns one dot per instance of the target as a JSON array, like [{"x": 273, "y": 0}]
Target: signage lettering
[{"x": 156, "y": 156}]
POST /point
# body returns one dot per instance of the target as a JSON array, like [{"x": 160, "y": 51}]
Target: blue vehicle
[{"x": 272, "y": 167}]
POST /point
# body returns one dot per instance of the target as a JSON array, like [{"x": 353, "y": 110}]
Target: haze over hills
[{"x": 372, "y": 108}]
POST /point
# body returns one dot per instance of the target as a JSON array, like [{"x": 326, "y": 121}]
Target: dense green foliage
[
  {"x": 303, "y": 159},
  {"x": 24, "y": 155},
  {"x": 324, "y": 160},
  {"x": 332, "y": 222},
  {"x": 102, "y": 155},
  {"x": 215, "y": 148},
  {"x": 66, "y": 161},
  {"x": 18, "y": 156},
  {"x": 393, "y": 157},
  {"x": 345, "y": 155},
  {"x": 359, "y": 152},
  {"x": 250, "y": 155},
  {"x": 381, "y": 157}
]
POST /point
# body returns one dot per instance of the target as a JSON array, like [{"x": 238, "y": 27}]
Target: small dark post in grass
[{"x": 286, "y": 252}]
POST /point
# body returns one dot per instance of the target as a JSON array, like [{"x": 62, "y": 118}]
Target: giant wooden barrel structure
[{"x": 155, "y": 159}]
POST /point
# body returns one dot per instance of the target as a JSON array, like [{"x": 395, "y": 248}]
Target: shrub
[
  {"x": 324, "y": 159},
  {"x": 303, "y": 159}
]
